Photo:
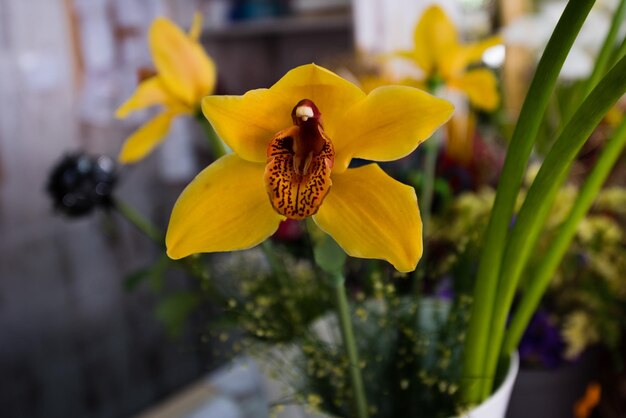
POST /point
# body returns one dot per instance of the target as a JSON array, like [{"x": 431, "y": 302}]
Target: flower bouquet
[{"x": 369, "y": 340}]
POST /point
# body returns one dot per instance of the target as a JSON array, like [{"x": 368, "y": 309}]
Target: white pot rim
[{"x": 495, "y": 405}]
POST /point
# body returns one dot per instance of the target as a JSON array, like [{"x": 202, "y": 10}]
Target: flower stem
[
  {"x": 214, "y": 141},
  {"x": 428, "y": 187},
  {"x": 140, "y": 222},
  {"x": 276, "y": 265},
  {"x": 431, "y": 148},
  {"x": 345, "y": 323},
  {"x": 193, "y": 264}
]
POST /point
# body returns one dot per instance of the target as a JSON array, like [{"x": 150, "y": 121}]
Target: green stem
[
  {"x": 345, "y": 323},
  {"x": 426, "y": 201},
  {"x": 428, "y": 187},
  {"x": 192, "y": 264},
  {"x": 540, "y": 197},
  {"x": 551, "y": 260},
  {"x": 275, "y": 263},
  {"x": 215, "y": 143},
  {"x": 141, "y": 223},
  {"x": 525, "y": 133},
  {"x": 603, "y": 60},
  {"x": 431, "y": 148}
]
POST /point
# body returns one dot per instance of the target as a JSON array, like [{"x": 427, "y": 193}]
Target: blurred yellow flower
[
  {"x": 438, "y": 52},
  {"x": 185, "y": 74},
  {"x": 292, "y": 146}
]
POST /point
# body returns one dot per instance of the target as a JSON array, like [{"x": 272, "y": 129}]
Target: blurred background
[{"x": 74, "y": 341}]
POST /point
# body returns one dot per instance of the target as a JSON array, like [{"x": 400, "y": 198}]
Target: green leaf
[
  {"x": 175, "y": 309},
  {"x": 329, "y": 256},
  {"x": 554, "y": 255},
  {"x": 524, "y": 135},
  {"x": 540, "y": 197},
  {"x": 153, "y": 273}
]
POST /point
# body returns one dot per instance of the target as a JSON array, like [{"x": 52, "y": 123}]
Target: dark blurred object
[
  {"x": 289, "y": 230},
  {"x": 256, "y": 9},
  {"x": 79, "y": 183},
  {"x": 552, "y": 393}
]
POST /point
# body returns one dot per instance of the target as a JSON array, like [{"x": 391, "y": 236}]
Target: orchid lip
[{"x": 299, "y": 163}]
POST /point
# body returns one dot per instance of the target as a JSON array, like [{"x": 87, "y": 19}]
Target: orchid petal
[
  {"x": 196, "y": 27},
  {"x": 389, "y": 124},
  {"x": 248, "y": 123},
  {"x": 434, "y": 35},
  {"x": 146, "y": 138},
  {"x": 456, "y": 60},
  {"x": 224, "y": 208},
  {"x": 149, "y": 92},
  {"x": 186, "y": 70},
  {"x": 371, "y": 215},
  {"x": 331, "y": 94},
  {"x": 481, "y": 87}
]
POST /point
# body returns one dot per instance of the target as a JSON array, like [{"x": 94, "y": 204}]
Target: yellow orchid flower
[
  {"x": 292, "y": 145},
  {"x": 438, "y": 52},
  {"x": 185, "y": 74}
]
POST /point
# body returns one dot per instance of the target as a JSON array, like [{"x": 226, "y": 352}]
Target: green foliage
[
  {"x": 154, "y": 274},
  {"x": 409, "y": 351},
  {"x": 175, "y": 309}
]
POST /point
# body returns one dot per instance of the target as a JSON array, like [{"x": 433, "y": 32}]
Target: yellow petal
[
  {"x": 196, "y": 27},
  {"x": 433, "y": 36},
  {"x": 248, "y": 123},
  {"x": 331, "y": 94},
  {"x": 224, "y": 208},
  {"x": 481, "y": 87},
  {"x": 456, "y": 60},
  {"x": 186, "y": 70},
  {"x": 371, "y": 215},
  {"x": 144, "y": 139},
  {"x": 148, "y": 93},
  {"x": 389, "y": 124}
]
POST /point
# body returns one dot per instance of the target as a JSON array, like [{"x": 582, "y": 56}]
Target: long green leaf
[
  {"x": 536, "y": 207},
  {"x": 510, "y": 181},
  {"x": 603, "y": 60},
  {"x": 550, "y": 262}
]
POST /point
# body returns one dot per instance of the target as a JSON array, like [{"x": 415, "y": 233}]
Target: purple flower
[{"x": 542, "y": 344}]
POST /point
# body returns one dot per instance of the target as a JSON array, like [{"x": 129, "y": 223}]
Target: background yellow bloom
[{"x": 185, "y": 74}]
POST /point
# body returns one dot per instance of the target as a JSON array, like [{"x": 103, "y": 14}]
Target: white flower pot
[{"x": 495, "y": 406}]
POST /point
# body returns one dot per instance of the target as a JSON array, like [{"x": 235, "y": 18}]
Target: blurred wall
[{"x": 73, "y": 342}]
